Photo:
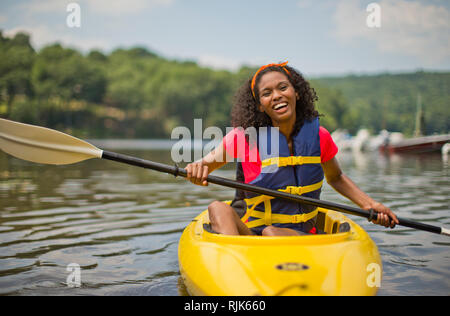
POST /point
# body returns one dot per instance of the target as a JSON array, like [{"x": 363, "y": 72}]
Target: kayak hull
[{"x": 330, "y": 264}]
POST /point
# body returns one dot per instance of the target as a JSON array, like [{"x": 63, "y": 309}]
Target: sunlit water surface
[{"x": 121, "y": 224}]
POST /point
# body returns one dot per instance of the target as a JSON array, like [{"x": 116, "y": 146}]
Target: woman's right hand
[{"x": 197, "y": 173}]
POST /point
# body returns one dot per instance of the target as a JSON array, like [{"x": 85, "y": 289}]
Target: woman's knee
[
  {"x": 217, "y": 210},
  {"x": 269, "y": 231},
  {"x": 277, "y": 231}
]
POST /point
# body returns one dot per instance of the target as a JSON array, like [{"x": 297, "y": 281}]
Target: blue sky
[{"x": 318, "y": 37}]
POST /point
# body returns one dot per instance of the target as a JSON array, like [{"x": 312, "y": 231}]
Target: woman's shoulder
[
  {"x": 324, "y": 132},
  {"x": 328, "y": 147}
]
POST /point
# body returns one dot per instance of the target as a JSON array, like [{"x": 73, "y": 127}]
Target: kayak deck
[{"x": 328, "y": 264}]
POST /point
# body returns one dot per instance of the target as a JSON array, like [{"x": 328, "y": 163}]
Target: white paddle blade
[{"x": 43, "y": 145}]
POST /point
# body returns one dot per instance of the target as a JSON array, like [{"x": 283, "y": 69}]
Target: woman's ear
[
  {"x": 297, "y": 97},
  {"x": 260, "y": 107}
]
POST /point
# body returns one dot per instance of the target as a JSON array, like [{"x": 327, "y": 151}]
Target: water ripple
[{"x": 122, "y": 224}]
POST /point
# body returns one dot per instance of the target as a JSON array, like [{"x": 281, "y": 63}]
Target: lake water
[{"x": 121, "y": 224}]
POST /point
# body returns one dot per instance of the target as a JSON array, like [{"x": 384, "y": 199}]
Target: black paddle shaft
[{"x": 176, "y": 171}]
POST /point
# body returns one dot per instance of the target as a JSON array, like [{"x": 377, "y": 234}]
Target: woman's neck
[{"x": 286, "y": 127}]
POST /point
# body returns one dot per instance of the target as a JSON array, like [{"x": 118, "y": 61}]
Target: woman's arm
[
  {"x": 342, "y": 184},
  {"x": 198, "y": 171}
]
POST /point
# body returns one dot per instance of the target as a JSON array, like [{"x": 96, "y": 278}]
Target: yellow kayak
[{"x": 334, "y": 263}]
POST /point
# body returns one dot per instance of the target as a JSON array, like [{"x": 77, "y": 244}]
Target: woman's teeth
[{"x": 279, "y": 106}]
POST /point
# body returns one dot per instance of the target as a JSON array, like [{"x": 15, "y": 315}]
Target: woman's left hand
[
  {"x": 341, "y": 183},
  {"x": 385, "y": 217}
]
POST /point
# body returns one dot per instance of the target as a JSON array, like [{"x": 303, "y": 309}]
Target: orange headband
[{"x": 282, "y": 65}]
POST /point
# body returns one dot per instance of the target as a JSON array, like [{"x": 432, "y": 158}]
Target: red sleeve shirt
[
  {"x": 251, "y": 163},
  {"x": 328, "y": 148}
]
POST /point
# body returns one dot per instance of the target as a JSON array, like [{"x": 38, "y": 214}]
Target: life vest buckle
[
  {"x": 291, "y": 160},
  {"x": 297, "y": 218},
  {"x": 283, "y": 161},
  {"x": 298, "y": 160},
  {"x": 295, "y": 160},
  {"x": 294, "y": 190}
]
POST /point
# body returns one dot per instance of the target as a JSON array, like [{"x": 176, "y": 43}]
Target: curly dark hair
[{"x": 245, "y": 111}]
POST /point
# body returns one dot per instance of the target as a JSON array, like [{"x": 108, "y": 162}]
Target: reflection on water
[
  {"x": 122, "y": 224},
  {"x": 415, "y": 187}
]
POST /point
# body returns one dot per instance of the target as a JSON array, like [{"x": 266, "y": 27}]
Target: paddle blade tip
[
  {"x": 43, "y": 157},
  {"x": 43, "y": 145}
]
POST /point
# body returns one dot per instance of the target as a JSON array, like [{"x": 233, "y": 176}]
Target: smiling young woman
[
  {"x": 278, "y": 100},
  {"x": 278, "y": 97}
]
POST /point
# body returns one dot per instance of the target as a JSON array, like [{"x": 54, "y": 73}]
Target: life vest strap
[
  {"x": 291, "y": 161},
  {"x": 268, "y": 218},
  {"x": 302, "y": 189},
  {"x": 280, "y": 218},
  {"x": 255, "y": 201}
]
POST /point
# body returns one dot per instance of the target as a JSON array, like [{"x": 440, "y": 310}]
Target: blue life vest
[{"x": 300, "y": 173}]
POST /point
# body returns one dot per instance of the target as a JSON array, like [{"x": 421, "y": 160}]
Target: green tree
[
  {"x": 332, "y": 105},
  {"x": 390, "y": 100},
  {"x": 16, "y": 60},
  {"x": 64, "y": 73}
]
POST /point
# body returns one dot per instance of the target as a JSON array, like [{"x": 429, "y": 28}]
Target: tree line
[{"x": 134, "y": 93}]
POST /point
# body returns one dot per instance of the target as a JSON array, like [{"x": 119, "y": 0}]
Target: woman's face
[{"x": 277, "y": 97}]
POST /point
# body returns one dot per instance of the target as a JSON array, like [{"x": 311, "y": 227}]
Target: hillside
[
  {"x": 134, "y": 93},
  {"x": 389, "y": 101}
]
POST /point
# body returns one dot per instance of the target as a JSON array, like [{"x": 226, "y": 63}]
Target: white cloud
[
  {"x": 42, "y": 35},
  {"x": 34, "y": 14},
  {"x": 218, "y": 62},
  {"x": 120, "y": 7},
  {"x": 44, "y": 6},
  {"x": 408, "y": 28},
  {"x": 104, "y": 7}
]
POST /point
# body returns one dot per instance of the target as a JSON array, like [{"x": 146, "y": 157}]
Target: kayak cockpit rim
[{"x": 333, "y": 218}]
